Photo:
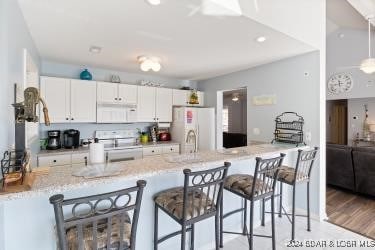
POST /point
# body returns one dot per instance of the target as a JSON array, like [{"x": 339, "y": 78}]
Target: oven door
[{"x": 124, "y": 154}]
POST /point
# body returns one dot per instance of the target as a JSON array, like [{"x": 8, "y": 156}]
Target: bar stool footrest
[{"x": 168, "y": 236}]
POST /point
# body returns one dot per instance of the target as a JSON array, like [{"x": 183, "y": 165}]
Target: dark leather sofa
[
  {"x": 234, "y": 140},
  {"x": 352, "y": 168}
]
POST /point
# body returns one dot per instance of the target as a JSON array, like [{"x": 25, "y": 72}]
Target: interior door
[
  {"x": 163, "y": 105},
  {"x": 146, "y": 104},
  {"x": 56, "y": 93},
  {"x": 83, "y": 101},
  {"x": 107, "y": 92},
  {"x": 339, "y": 124},
  {"x": 127, "y": 93}
]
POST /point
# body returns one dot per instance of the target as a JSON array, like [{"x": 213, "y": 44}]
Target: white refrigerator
[{"x": 199, "y": 120}]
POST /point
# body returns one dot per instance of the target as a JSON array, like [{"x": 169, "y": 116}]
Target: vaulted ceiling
[{"x": 194, "y": 39}]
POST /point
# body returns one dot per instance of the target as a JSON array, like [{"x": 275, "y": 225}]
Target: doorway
[
  {"x": 337, "y": 122},
  {"x": 234, "y": 116}
]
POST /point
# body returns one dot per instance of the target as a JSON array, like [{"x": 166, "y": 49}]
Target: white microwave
[{"x": 116, "y": 114}]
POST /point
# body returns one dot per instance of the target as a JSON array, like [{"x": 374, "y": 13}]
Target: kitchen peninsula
[{"x": 30, "y": 214}]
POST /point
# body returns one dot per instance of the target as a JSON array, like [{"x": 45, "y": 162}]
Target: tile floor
[{"x": 320, "y": 231}]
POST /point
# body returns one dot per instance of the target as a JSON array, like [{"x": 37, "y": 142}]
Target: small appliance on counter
[
  {"x": 54, "y": 140},
  {"x": 163, "y": 132},
  {"x": 71, "y": 138}
]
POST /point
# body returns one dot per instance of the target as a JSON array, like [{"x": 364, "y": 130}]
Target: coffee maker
[
  {"x": 54, "y": 141},
  {"x": 71, "y": 138}
]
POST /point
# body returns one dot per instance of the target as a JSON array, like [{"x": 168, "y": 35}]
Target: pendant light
[{"x": 368, "y": 65}]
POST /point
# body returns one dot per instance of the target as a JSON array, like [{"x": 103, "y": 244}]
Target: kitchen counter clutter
[
  {"x": 60, "y": 178},
  {"x": 32, "y": 210}
]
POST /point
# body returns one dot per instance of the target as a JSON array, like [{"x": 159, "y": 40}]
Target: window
[{"x": 225, "y": 119}]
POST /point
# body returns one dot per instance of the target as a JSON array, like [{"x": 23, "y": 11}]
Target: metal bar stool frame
[
  {"x": 192, "y": 186},
  {"x": 95, "y": 214},
  {"x": 302, "y": 174},
  {"x": 264, "y": 169}
]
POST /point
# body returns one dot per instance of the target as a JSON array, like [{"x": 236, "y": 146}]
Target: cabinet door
[
  {"x": 127, "y": 93},
  {"x": 107, "y": 92},
  {"x": 200, "y": 98},
  {"x": 150, "y": 151},
  {"x": 82, "y": 101},
  {"x": 146, "y": 104},
  {"x": 54, "y": 160},
  {"x": 180, "y": 97},
  {"x": 56, "y": 93},
  {"x": 163, "y": 105}
]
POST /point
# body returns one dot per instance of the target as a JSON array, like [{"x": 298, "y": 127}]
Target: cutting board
[{"x": 27, "y": 182}]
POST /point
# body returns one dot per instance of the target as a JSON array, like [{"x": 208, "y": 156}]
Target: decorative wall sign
[{"x": 263, "y": 100}]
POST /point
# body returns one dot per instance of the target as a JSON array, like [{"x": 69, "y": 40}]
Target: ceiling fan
[
  {"x": 367, "y": 65},
  {"x": 233, "y": 10}
]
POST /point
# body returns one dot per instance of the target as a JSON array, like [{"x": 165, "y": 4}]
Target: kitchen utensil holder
[{"x": 289, "y": 128}]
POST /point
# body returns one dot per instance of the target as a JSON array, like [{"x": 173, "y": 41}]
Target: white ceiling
[
  {"x": 191, "y": 44},
  {"x": 345, "y": 14}
]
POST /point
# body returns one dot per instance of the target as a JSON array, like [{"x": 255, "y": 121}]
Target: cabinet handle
[
  {"x": 116, "y": 99},
  {"x": 67, "y": 118},
  {"x": 120, "y": 99},
  {"x": 72, "y": 119},
  {"x": 152, "y": 151},
  {"x": 54, "y": 160}
]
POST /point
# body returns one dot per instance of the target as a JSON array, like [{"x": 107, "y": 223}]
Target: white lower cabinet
[
  {"x": 54, "y": 160},
  {"x": 161, "y": 150},
  {"x": 80, "y": 158}
]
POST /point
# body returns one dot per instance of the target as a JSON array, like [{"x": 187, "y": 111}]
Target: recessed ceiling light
[
  {"x": 95, "y": 49},
  {"x": 261, "y": 39},
  {"x": 153, "y": 2}
]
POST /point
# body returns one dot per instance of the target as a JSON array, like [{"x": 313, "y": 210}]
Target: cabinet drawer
[
  {"x": 171, "y": 149},
  {"x": 56, "y": 160},
  {"x": 152, "y": 151},
  {"x": 79, "y": 158}
]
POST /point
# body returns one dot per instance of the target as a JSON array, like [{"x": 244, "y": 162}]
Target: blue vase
[{"x": 86, "y": 75}]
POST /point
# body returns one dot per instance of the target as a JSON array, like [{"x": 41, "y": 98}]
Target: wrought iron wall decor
[{"x": 289, "y": 128}]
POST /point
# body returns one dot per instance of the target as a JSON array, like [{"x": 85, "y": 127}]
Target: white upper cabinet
[
  {"x": 163, "y": 104},
  {"x": 127, "y": 93},
  {"x": 107, "y": 92},
  {"x": 116, "y": 93},
  {"x": 181, "y": 98},
  {"x": 69, "y": 100},
  {"x": 82, "y": 101},
  {"x": 146, "y": 104},
  {"x": 56, "y": 93}
]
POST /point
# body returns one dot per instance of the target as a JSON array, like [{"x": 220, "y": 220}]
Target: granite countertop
[
  {"x": 62, "y": 151},
  {"x": 60, "y": 179}
]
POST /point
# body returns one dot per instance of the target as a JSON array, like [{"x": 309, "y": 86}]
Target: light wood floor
[{"x": 353, "y": 212}]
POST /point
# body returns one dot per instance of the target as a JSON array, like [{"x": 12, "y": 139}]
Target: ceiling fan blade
[{"x": 256, "y": 6}]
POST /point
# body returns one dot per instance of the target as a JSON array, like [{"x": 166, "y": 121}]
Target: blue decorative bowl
[{"x": 86, "y": 75}]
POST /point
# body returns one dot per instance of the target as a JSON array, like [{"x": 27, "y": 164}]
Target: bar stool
[
  {"x": 294, "y": 176},
  {"x": 99, "y": 221},
  {"x": 253, "y": 188},
  {"x": 197, "y": 200}
]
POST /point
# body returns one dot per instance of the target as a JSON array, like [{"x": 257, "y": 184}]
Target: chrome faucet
[{"x": 192, "y": 135}]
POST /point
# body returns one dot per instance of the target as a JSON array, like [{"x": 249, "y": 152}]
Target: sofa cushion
[
  {"x": 364, "y": 166},
  {"x": 340, "y": 171}
]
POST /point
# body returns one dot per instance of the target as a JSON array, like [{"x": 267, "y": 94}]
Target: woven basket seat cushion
[
  {"x": 172, "y": 200},
  {"x": 243, "y": 184}
]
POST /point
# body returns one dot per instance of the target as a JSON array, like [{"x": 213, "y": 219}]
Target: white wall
[
  {"x": 52, "y": 68},
  {"x": 295, "y": 91},
  {"x": 349, "y": 50},
  {"x": 15, "y": 37},
  {"x": 356, "y": 109}
]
